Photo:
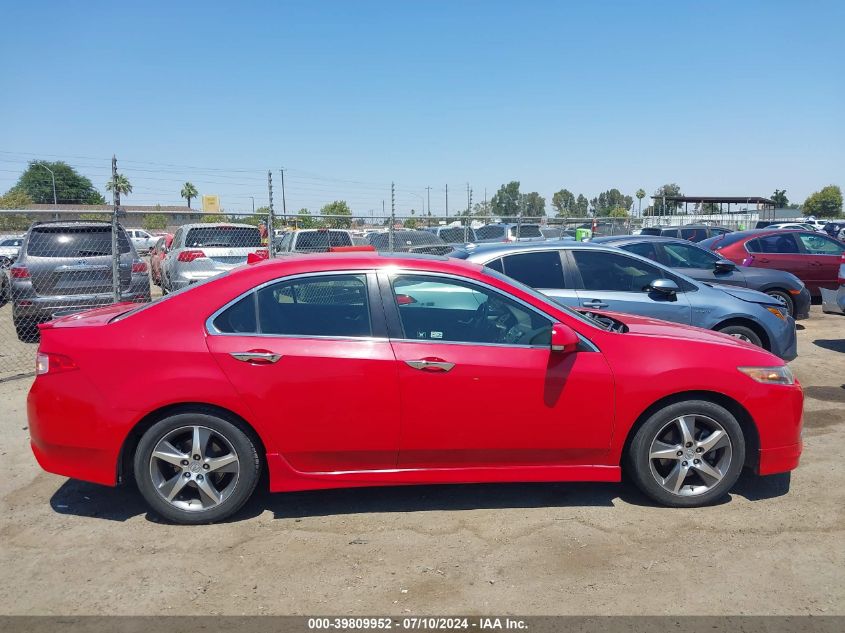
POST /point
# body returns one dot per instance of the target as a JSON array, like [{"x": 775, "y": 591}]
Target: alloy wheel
[
  {"x": 194, "y": 468},
  {"x": 690, "y": 455}
]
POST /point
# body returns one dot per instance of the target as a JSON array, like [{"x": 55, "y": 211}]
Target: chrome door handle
[
  {"x": 594, "y": 303},
  {"x": 256, "y": 357},
  {"x": 430, "y": 365}
]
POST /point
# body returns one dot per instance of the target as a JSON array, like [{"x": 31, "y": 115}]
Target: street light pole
[{"x": 54, "y": 182}]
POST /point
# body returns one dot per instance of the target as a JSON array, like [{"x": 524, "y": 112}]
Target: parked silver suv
[
  {"x": 67, "y": 267},
  {"x": 200, "y": 251}
]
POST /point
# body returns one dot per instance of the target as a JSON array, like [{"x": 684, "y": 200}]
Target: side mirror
[
  {"x": 664, "y": 286},
  {"x": 724, "y": 266},
  {"x": 564, "y": 338}
]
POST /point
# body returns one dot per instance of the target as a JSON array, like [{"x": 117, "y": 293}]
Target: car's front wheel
[
  {"x": 687, "y": 454},
  {"x": 783, "y": 298},
  {"x": 196, "y": 468},
  {"x": 742, "y": 333}
]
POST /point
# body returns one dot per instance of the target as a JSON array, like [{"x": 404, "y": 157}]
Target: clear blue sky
[{"x": 722, "y": 97}]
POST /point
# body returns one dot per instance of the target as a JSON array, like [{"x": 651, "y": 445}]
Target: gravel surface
[{"x": 775, "y": 547}]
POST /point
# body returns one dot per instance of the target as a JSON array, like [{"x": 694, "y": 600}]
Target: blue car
[{"x": 594, "y": 277}]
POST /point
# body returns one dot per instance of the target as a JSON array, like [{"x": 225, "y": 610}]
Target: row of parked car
[{"x": 750, "y": 284}]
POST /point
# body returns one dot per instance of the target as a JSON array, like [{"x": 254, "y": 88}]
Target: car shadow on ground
[
  {"x": 833, "y": 344},
  {"x": 121, "y": 504}
]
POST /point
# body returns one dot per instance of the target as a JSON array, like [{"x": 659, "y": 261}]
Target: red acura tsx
[{"x": 358, "y": 369}]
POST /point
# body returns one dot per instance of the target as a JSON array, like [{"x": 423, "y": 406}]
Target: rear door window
[
  {"x": 685, "y": 256},
  {"x": 73, "y": 242},
  {"x": 819, "y": 245},
  {"x": 538, "y": 270},
  {"x": 783, "y": 243}
]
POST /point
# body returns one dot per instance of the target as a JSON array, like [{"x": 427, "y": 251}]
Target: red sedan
[
  {"x": 811, "y": 256},
  {"x": 357, "y": 369}
]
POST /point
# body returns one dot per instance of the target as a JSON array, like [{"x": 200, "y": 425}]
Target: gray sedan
[
  {"x": 592, "y": 276},
  {"x": 705, "y": 265}
]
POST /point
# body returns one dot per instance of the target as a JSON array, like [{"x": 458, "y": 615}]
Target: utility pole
[
  {"x": 428, "y": 196},
  {"x": 392, "y": 216},
  {"x": 253, "y": 203},
  {"x": 469, "y": 199},
  {"x": 284, "y": 206},
  {"x": 270, "y": 218},
  {"x": 447, "y": 200},
  {"x": 115, "y": 227}
]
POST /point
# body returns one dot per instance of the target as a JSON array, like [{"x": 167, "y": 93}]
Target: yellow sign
[{"x": 211, "y": 204}]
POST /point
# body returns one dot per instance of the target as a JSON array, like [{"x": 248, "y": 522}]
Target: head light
[{"x": 770, "y": 375}]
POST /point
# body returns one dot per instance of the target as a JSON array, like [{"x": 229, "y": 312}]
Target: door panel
[
  {"x": 822, "y": 256},
  {"x": 483, "y": 388},
  {"x": 332, "y": 404}
]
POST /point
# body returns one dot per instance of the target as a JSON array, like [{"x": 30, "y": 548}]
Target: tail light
[
  {"x": 139, "y": 267},
  {"x": 405, "y": 300},
  {"x": 263, "y": 253},
  {"x": 53, "y": 363},
  {"x": 19, "y": 272},
  {"x": 189, "y": 256}
]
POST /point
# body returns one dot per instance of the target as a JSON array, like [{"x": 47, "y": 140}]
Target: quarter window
[{"x": 450, "y": 310}]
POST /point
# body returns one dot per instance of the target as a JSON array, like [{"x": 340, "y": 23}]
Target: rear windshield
[
  {"x": 720, "y": 241},
  {"x": 403, "y": 239},
  {"x": 73, "y": 242},
  {"x": 322, "y": 240},
  {"x": 489, "y": 232},
  {"x": 457, "y": 234},
  {"x": 223, "y": 237},
  {"x": 527, "y": 230},
  {"x": 12, "y": 242}
]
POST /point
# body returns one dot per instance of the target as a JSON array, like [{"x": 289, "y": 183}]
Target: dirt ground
[{"x": 776, "y": 547}]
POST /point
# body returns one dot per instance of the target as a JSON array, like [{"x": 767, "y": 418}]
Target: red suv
[
  {"x": 811, "y": 256},
  {"x": 332, "y": 371}
]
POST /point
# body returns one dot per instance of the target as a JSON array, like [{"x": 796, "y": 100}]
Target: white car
[
  {"x": 10, "y": 246},
  {"x": 141, "y": 240},
  {"x": 801, "y": 226}
]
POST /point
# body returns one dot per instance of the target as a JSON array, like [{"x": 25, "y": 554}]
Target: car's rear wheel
[
  {"x": 742, "y": 333},
  {"x": 783, "y": 298},
  {"x": 196, "y": 468},
  {"x": 688, "y": 454}
]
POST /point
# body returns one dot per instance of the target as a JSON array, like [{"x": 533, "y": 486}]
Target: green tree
[
  {"x": 640, "y": 195},
  {"x": 15, "y": 199},
  {"x": 582, "y": 206},
  {"x": 212, "y": 218},
  {"x": 119, "y": 183},
  {"x": 71, "y": 188},
  {"x": 189, "y": 192},
  {"x": 154, "y": 221},
  {"x": 482, "y": 209},
  {"x": 610, "y": 200},
  {"x": 617, "y": 212},
  {"x": 564, "y": 203},
  {"x": 95, "y": 217},
  {"x": 671, "y": 207},
  {"x": 532, "y": 205},
  {"x": 338, "y": 208},
  {"x": 304, "y": 219},
  {"x": 411, "y": 223},
  {"x": 505, "y": 202},
  {"x": 780, "y": 199},
  {"x": 825, "y": 203}
]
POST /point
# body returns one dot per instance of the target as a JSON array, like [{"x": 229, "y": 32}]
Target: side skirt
[{"x": 283, "y": 478}]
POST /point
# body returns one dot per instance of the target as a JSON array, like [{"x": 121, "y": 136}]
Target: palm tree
[
  {"x": 188, "y": 192},
  {"x": 640, "y": 195},
  {"x": 119, "y": 184}
]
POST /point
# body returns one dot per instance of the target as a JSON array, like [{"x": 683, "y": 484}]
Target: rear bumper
[
  {"x": 38, "y": 308},
  {"x": 779, "y": 460},
  {"x": 186, "y": 278}
]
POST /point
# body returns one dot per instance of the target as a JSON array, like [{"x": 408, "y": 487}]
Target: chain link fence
[{"x": 54, "y": 263}]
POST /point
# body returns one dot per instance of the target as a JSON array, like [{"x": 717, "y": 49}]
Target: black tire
[
  {"x": 27, "y": 331},
  {"x": 640, "y": 468},
  {"x": 781, "y": 296},
  {"x": 242, "y": 483},
  {"x": 742, "y": 332}
]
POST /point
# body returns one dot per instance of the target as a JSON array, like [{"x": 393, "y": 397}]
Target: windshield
[
  {"x": 88, "y": 241},
  {"x": 321, "y": 240},
  {"x": 223, "y": 237},
  {"x": 526, "y": 230}
]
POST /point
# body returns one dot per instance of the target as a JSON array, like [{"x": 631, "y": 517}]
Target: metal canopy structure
[{"x": 761, "y": 204}]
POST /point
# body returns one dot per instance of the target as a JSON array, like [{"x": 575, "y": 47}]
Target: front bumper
[
  {"x": 784, "y": 339},
  {"x": 779, "y": 460},
  {"x": 802, "y": 302}
]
